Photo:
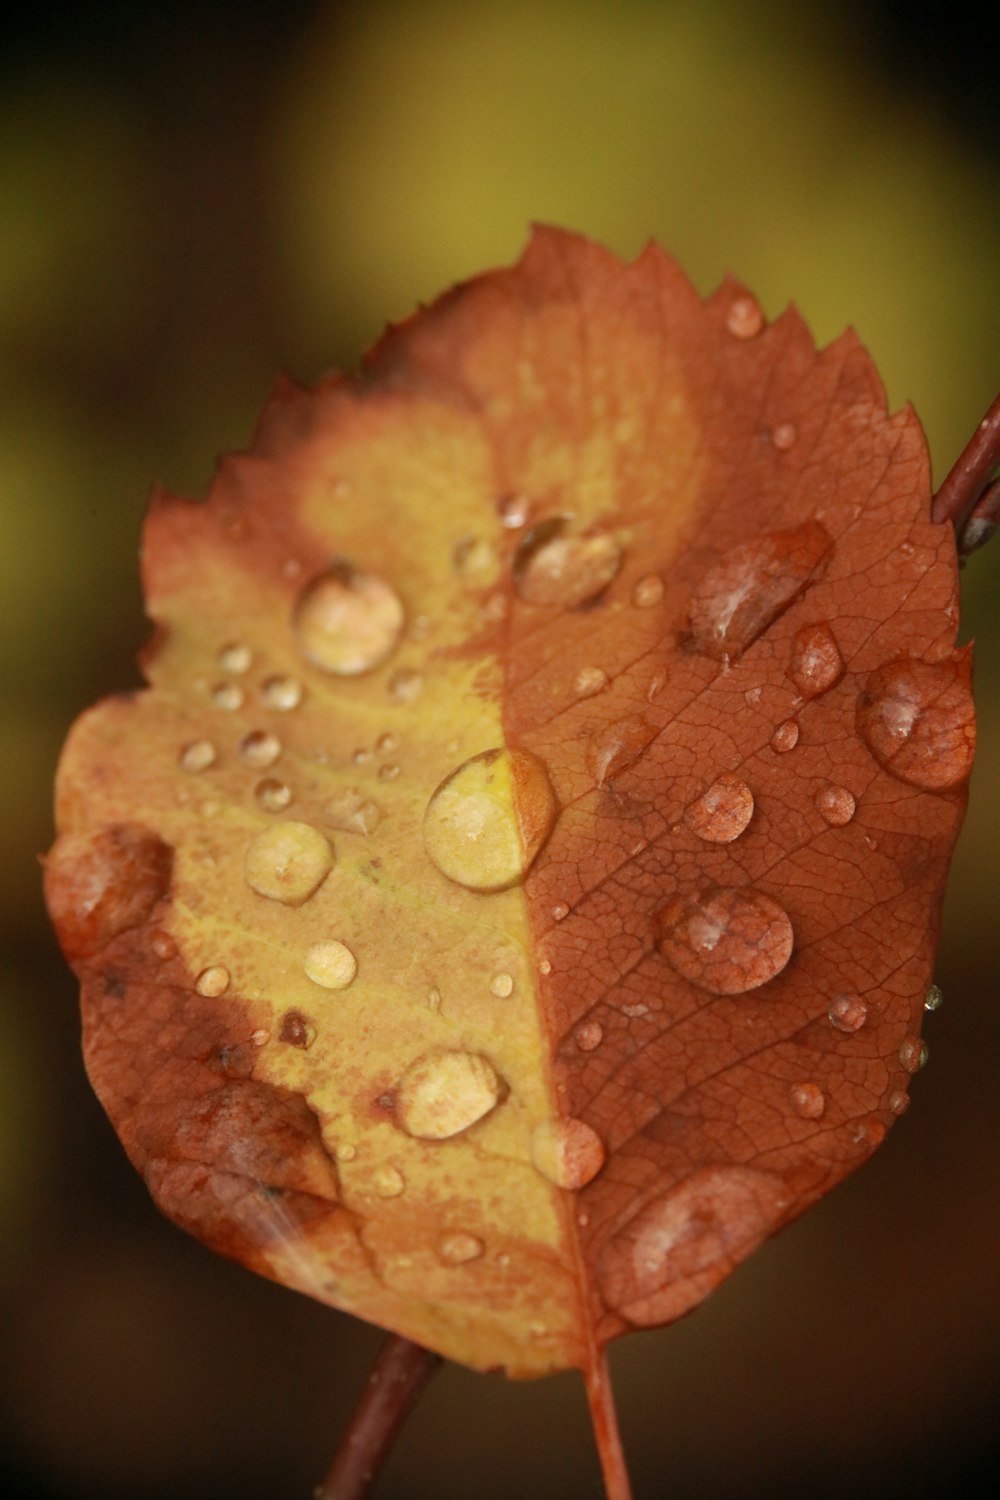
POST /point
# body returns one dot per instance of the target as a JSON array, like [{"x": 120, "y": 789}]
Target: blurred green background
[{"x": 193, "y": 197}]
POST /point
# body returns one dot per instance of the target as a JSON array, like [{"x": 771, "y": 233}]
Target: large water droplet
[
  {"x": 281, "y": 693},
  {"x": 197, "y": 756},
  {"x": 723, "y": 812},
  {"x": 568, "y": 1152},
  {"x": 615, "y": 747},
  {"x": 330, "y": 964},
  {"x": 444, "y": 1093},
  {"x": 913, "y": 1053},
  {"x": 353, "y": 812},
  {"x": 456, "y": 1249},
  {"x": 785, "y": 737},
  {"x": 836, "y": 804},
  {"x": 347, "y": 622},
  {"x": 726, "y": 941},
  {"x": 555, "y": 564},
  {"x": 486, "y": 822},
  {"x": 288, "y": 862},
  {"x": 260, "y": 749},
  {"x": 816, "y": 663},
  {"x": 212, "y": 981},
  {"x": 752, "y": 584},
  {"x": 848, "y": 1012},
  {"x": 808, "y": 1100},
  {"x": 918, "y": 720}
]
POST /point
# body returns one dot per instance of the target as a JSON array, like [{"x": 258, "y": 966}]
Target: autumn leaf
[{"x": 516, "y": 895}]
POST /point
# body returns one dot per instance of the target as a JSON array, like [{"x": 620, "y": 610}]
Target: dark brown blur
[{"x": 192, "y": 198}]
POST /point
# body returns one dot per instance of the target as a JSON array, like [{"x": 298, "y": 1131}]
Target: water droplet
[
  {"x": 898, "y": 1102},
  {"x": 744, "y": 318},
  {"x": 568, "y": 1152},
  {"x": 288, "y": 862},
  {"x": 212, "y": 981},
  {"x": 296, "y": 1030},
  {"x": 456, "y": 1249},
  {"x": 388, "y": 772},
  {"x": 330, "y": 964},
  {"x": 476, "y": 562},
  {"x": 560, "y": 911},
  {"x": 514, "y": 511},
  {"x": 723, "y": 812},
  {"x": 726, "y": 941},
  {"x": 487, "y": 820},
  {"x": 260, "y": 1036},
  {"x": 361, "y": 756},
  {"x": 934, "y": 998},
  {"x": 281, "y": 693},
  {"x": 784, "y": 436},
  {"x": 555, "y": 564},
  {"x": 388, "y": 1181},
  {"x": 752, "y": 584},
  {"x": 228, "y": 696},
  {"x": 808, "y": 1100},
  {"x": 785, "y": 737},
  {"x": 352, "y": 812},
  {"x": 913, "y": 1053},
  {"x": 816, "y": 663},
  {"x": 502, "y": 985},
  {"x": 347, "y": 622},
  {"x": 444, "y": 1093},
  {"x": 753, "y": 695},
  {"x": 260, "y": 749},
  {"x": 848, "y": 1012},
  {"x": 616, "y": 747},
  {"x": 405, "y": 686},
  {"x": 346, "y": 1151},
  {"x": 272, "y": 795},
  {"x": 386, "y": 743},
  {"x": 836, "y": 804},
  {"x": 162, "y": 945},
  {"x": 917, "y": 719},
  {"x": 197, "y": 756},
  {"x": 434, "y": 999},
  {"x": 589, "y": 1035},
  {"x": 868, "y": 1133},
  {"x": 236, "y": 659},
  {"x": 590, "y": 680},
  {"x": 545, "y": 967},
  {"x": 648, "y": 591}
]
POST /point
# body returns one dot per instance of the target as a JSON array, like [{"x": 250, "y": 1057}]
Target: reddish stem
[
  {"x": 617, "y": 1485},
  {"x": 971, "y": 472},
  {"x": 401, "y": 1371}
]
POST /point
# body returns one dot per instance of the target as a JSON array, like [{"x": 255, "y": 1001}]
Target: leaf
[{"x": 516, "y": 896}]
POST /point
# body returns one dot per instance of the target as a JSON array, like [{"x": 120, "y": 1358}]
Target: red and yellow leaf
[{"x": 516, "y": 894}]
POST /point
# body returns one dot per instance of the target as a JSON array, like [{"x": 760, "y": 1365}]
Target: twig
[
  {"x": 600, "y": 1396},
  {"x": 401, "y": 1371},
  {"x": 966, "y": 487}
]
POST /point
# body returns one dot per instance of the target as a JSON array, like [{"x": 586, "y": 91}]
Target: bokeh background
[{"x": 195, "y": 196}]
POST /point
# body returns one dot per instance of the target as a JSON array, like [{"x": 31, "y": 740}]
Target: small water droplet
[
  {"x": 235, "y": 658},
  {"x": 347, "y": 622},
  {"x": 456, "y": 1249},
  {"x": 487, "y": 820},
  {"x": 808, "y": 1100},
  {"x": 330, "y": 964},
  {"x": 836, "y": 804},
  {"x": 560, "y": 911},
  {"x": 918, "y": 720},
  {"x": 752, "y": 584},
  {"x": 723, "y": 812},
  {"x": 744, "y": 318},
  {"x": 934, "y": 998},
  {"x": 260, "y": 749},
  {"x": 420, "y": 628},
  {"x": 476, "y": 561},
  {"x": 898, "y": 1102},
  {"x": 568, "y": 1152},
  {"x": 557, "y": 565},
  {"x": 785, "y": 737},
  {"x": 726, "y": 941},
  {"x": 386, "y": 743},
  {"x": 227, "y": 696},
  {"x": 545, "y": 967},
  {"x": 388, "y": 1181},
  {"x": 272, "y": 795},
  {"x": 434, "y": 999},
  {"x": 784, "y": 436},
  {"x": 212, "y": 981},
  {"x": 260, "y": 1036},
  {"x": 346, "y": 1151},
  {"x": 281, "y": 693},
  {"x": 868, "y": 1133},
  {"x": 753, "y": 695},
  {"x": 162, "y": 945},
  {"x": 648, "y": 591},
  {"x": 514, "y": 511},
  {"x": 388, "y": 772},
  {"x": 589, "y": 1035},
  {"x": 816, "y": 664},
  {"x": 197, "y": 756},
  {"x": 444, "y": 1093},
  {"x": 848, "y": 1012},
  {"x": 590, "y": 680},
  {"x": 405, "y": 685},
  {"x": 616, "y": 747},
  {"x": 352, "y": 812},
  {"x": 913, "y": 1053},
  {"x": 502, "y": 985},
  {"x": 634, "y": 1012},
  {"x": 297, "y": 1030},
  {"x": 288, "y": 862}
]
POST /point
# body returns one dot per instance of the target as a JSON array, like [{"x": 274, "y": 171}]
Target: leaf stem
[
  {"x": 400, "y": 1373},
  {"x": 617, "y": 1485},
  {"x": 970, "y": 473}
]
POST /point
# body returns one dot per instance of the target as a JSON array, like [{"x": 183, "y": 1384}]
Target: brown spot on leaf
[{"x": 100, "y": 883}]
